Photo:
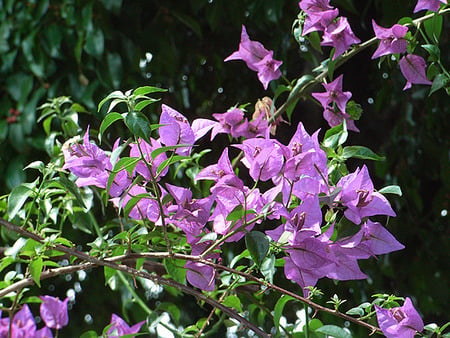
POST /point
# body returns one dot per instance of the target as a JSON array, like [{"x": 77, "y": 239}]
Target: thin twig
[{"x": 138, "y": 273}]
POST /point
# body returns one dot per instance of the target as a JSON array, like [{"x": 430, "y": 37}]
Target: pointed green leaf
[
  {"x": 169, "y": 161},
  {"x": 439, "y": 82},
  {"x": 139, "y": 125},
  {"x": 18, "y": 197},
  {"x": 391, "y": 189},
  {"x": 144, "y": 103},
  {"x": 335, "y": 136},
  {"x": 236, "y": 213},
  {"x": 72, "y": 188},
  {"x": 334, "y": 331},
  {"x": 148, "y": 90},
  {"x": 175, "y": 268},
  {"x": 109, "y": 120},
  {"x": 160, "y": 150},
  {"x": 127, "y": 163},
  {"x": 258, "y": 245},
  {"x": 114, "y": 95},
  {"x": 36, "y": 270},
  {"x": 132, "y": 203},
  {"x": 278, "y": 311},
  {"x": 361, "y": 152},
  {"x": 234, "y": 302}
]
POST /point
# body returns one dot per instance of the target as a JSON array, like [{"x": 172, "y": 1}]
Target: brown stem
[
  {"x": 340, "y": 61},
  {"x": 137, "y": 273}
]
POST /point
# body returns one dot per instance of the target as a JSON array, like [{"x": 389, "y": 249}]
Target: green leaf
[
  {"x": 335, "y": 136},
  {"x": 15, "y": 249},
  {"x": 109, "y": 120},
  {"x": 233, "y": 302},
  {"x": 405, "y": 20},
  {"x": 361, "y": 152},
  {"x": 72, "y": 188},
  {"x": 175, "y": 268},
  {"x": 132, "y": 203},
  {"x": 18, "y": 196},
  {"x": 148, "y": 90},
  {"x": 170, "y": 308},
  {"x": 391, "y": 189},
  {"x": 268, "y": 268},
  {"x": 356, "y": 311},
  {"x": 127, "y": 163},
  {"x": 160, "y": 150},
  {"x": 169, "y": 161},
  {"x": 95, "y": 43},
  {"x": 258, "y": 245},
  {"x": 301, "y": 82},
  {"x": 434, "y": 52},
  {"x": 236, "y": 213},
  {"x": 334, "y": 331},
  {"x": 144, "y": 103},
  {"x": 354, "y": 110},
  {"x": 36, "y": 270},
  {"x": 139, "y": 125},
  {"x": 433, "y": 27},
  {"x": 114, "y": 95},
  {"x": 314, "y": 39},
  {"x": 89, "y": 334},
  {"x": 439, "y": 82},
  {"x": 278, "y": 310}
]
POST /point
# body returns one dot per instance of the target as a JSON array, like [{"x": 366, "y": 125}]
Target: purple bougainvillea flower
[
  {"x": 142, "y": 168},
  {"x": 229, "y": 123},
  {"x": 88, "y": 162},
  {"x": 54, "y": 312},
  {"x": 304, "y": 160},
  {"x": 302, "y": 277},
  {"x": 413, "y": 68},
  {"x": 23, "y": 324},
  {"x": 340, "y": 36},
  {"x": 371, "y": 240},
  {"x": 391, "y": 39},
  {"x": 120, "y": 328},
  {"x": 343, "y": 266},
  {"x": 332, "y": 98},
  {"x": 359, "y": 197},
  {"x": 335, "y": 117},
  {"x": 307, "y": 217},
  {"x": 146, "y": 207},
  {"x": 431, "y": 5},
  {"x": 216, "y": 171},
  {"x": 201, "y": 126},
  {"x": 263, "y": 157},
  {"x": 175, "y": 130},
  {"x": 257, "y": 59},
  {"x": 399, "y": 322},
  {"x": 333, "y": 94},
  {"x": 45, "y": 332},
  {"x": 319, "y": 14},
  {"x": 257, "y": 127},
  {"x": 190, "y": 215},
  {"x": 200, "y": 275}
]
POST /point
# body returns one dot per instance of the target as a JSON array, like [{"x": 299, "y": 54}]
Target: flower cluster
[
  {"x": 53, "y": 312},
  {"x": 298, "y": 176},
  {"x": 321, "y": 17},
  {"x": 257, "y": 58},
  {"x": 401, "y": 321},
  {"x": 334, "y": 102}
]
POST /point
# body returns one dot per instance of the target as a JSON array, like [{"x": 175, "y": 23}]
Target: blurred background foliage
[{"x": 86, "y": 49}]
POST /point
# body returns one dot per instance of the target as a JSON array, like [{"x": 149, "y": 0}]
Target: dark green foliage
[{"x": 86, "y": 49}]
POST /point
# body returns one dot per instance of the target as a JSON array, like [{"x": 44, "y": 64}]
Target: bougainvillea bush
[{"x": 262, "y": 218}]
